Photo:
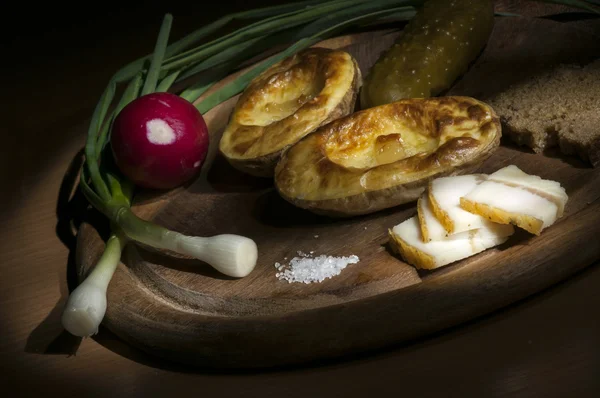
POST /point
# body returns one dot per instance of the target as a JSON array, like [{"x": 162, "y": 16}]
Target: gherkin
[{"x": 434, "y": 49}]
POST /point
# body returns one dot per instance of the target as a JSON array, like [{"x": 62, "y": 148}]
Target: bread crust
[{"x": 558, "y": 108}]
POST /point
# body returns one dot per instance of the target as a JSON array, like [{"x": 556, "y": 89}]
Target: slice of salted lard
[
  {"x": 431, "y": 228},
  {"x": 551, "y": 190},
  {"x": 444, "y": 195},
  {"x": 406, "y": 239},
  {"x": 530, "y": 204}
]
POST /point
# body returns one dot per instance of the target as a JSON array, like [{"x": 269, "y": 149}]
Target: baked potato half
[
  {"x": 285, "y": 103},
  {"x": 386, "y": 155}
]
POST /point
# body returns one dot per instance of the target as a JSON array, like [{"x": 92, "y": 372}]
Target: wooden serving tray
[{"x": 182, "y": 310}]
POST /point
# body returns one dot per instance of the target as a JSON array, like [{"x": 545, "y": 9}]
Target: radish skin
[{"x": 159, "y": 141}]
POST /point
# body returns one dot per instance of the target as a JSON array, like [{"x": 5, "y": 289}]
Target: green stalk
[
  {"x": 166, "y": 83},
  {"x": 242, "y": 81},
  {"x": 353, "y": 11},
  {"x": 111, "y": 256},
  {"x": 207, "y": 80},
  {"x": 131, "y": 92},
  {"x": 239, "y": 52},
  {"x": 92, "y": 197},
  {"x": 118, "y": 196},
  {"x": 91, "y": 143},
  {"x": 158, "y": 55},
  {"x": 128, "y": 71},
  {"x": 220, "y": 65},
  {"x": 395, "y": 17},
  {"x": 272, "y": 25},
  {"x": 199, "y": 34}
]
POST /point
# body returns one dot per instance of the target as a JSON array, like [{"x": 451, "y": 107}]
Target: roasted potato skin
[
  {"x": 373, "y": 201},
  {"x": 433, "y": 50},
  {"x": 306, "y": 177},
  {"x": 262, "y": 163}
]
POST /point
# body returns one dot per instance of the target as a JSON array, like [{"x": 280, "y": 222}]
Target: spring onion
[{"x": 86, "y": 305}]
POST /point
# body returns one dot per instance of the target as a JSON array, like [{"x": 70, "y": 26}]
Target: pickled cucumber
[{"x": 434, "y": 49}]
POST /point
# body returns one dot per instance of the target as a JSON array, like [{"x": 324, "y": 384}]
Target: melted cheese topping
[
  {"x": 288, "y": 101},
  {"x": 387, "y": 146}
]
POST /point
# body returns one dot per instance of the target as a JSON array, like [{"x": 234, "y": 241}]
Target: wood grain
[{"x": 183, "y": 310}]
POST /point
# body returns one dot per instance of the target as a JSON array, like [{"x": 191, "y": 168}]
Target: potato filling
[{"x": 282, "y": 95}]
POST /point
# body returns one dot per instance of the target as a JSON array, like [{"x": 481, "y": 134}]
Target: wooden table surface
[{"x": 546, "y": 346}]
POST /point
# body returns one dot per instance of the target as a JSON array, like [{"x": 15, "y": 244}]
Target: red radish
[{"x": 159, "y": 141}]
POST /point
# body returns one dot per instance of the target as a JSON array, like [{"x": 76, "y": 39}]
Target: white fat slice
[
  {"x": 551, "y": 190},
  {"x": 431, "y": 228},
  {"x": 406, "y": 239},
  {"x": 508, "y": 204},
  {"x": 444, "y": 197}
]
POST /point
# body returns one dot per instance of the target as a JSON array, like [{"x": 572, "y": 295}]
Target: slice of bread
[{"x": 560, "y": 107}]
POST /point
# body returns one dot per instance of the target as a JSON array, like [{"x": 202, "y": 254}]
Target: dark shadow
[
  {"x": 571, "y": 16},
  {"x": 572, "y": 160},
  {"x": 552, "y": 151},
  {"x": 507, "y": 142},
  {"x": 223, "y": 177},
  {"x": 116, "y": 344},
  {"x": 271, "y": 209},
  {"x": 40, "y": 341},
  {"x": 69, "y": 211},
  {"x": 137, "y": 253}
]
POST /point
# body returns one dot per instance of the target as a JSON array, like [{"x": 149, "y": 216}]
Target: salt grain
[{"x": 307, "y": 270}]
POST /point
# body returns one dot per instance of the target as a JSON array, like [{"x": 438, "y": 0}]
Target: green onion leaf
[
  {"x": 92, "y": 197},
  {"x": 240, "y": 83},
  {"x": 91, "y": 142},
  {"x": 158, "y": 55},
  {"x": 117, "y": 192},
  {"x": 129, "y": 70},
  {"x": 166, "y": 83},
  {"x": 208, "y": 79},
  {"x": 352, "y": 11},
  {"x": 238, "y": 52},
  {"x": 131, "y": 92},
  {"x": 268, "y": 26}
]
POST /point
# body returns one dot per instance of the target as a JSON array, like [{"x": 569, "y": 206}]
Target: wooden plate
[{"x": 181, "y": 309}]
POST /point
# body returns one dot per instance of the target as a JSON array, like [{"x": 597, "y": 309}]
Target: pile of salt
[{"x": 308, "y": 270}]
